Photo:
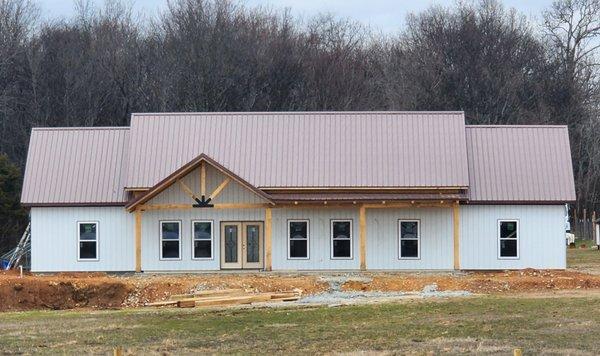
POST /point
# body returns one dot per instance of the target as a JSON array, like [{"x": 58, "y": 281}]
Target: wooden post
[
  {"x": 456, "y": 219},
  {"x": 202, "y": 179},
  {"x": 362, "y": 237},
  {"x": 138, "y": 240},
  {"x": 268, "y": 239}
]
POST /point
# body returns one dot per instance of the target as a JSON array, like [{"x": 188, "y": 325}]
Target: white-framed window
[
  {"x": 409, "y": 239},
  {"x": 87, "y": 239},
  {"x": 202, "y": 239},
  {"x": 508, "y": 239},
  {"x": 298, "y": 239},
  {"x": 341, "y": 239},
  {"x": 170, "y": 240}
]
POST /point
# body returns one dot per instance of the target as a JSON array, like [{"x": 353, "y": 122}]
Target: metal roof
[
  {"x": 520, "y": 164},
  {"x": 307, "y": 149},
  {"x": 75, "y": 166},
  {"x": 374, "y": 151}
]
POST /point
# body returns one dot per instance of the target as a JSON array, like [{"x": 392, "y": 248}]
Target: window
[
  {"x": 202, "y": 239},
  {"x": 508, "y": 239},
  {"x": 409, "y": 239},
  {"x": 298, "y": 239},
  {"x": 170, "y": 235},
  {"x": 88, "y": 241},
  {"x": 341, "y": 239}
]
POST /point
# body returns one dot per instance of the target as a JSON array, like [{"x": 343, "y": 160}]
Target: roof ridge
[{"x": 275, "y": 113}]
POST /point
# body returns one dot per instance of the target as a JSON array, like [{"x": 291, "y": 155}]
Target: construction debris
[{"x": 224, "y": 297}]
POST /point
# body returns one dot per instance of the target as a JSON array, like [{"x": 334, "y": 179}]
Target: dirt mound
[
  {"x": 482, "y": 282},
  {"x": 99, "y": 290}
]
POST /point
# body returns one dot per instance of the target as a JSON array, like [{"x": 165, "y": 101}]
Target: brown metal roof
[
  {"x": 362, "y": 197},
  {"x": 75, "y": 166},
  {"x": 375, "y": 152},
  {"x": 308, "y": 149},
  {"x": 520, "y": 164}
]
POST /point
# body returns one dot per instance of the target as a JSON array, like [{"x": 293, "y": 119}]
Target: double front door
[{"x": 242, "y": 245}]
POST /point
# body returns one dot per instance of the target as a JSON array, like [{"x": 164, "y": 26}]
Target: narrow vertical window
[
  {"x": 298, "y": 239},
  {"x": 170, "y": 237},
  {"x": 88, "y": 241},
  {"x": 202, "y": 239},
  {"x": 341, "y": 239},
  {"x": 409, "y": 243},
  {"x": 508, "y": 239}
]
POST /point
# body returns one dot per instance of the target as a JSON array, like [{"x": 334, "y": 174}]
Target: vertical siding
[
  {"x": 320, "y": 243},
  {"x": 541, "y": 240},
  {"x": 436, "y": 239},
  {"x": 54, "y": 237},
  {"x": 151, "y": 237}
]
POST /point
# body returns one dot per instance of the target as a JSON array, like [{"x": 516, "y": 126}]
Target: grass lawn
[
  {"x": 478, "y": 324},
  {"x": 584, "y": 258}
]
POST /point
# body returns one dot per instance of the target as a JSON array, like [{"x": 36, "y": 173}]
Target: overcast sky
[{"x": 386, "y": 15}]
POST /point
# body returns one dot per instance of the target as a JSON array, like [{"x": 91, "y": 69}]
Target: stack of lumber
[{"x": 223, "y": 297}]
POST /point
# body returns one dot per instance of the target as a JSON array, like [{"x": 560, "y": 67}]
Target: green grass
[
  {"x": 486, "y": 324},
  {"x": 585, "y": 258}
]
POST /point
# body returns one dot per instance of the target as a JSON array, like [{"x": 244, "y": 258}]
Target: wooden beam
[
  {"x": 362, "y": 237},
  {"x": 268, "y": 239},
  {"x": 138, "y": 240},
  {"x": 187, "y": 190},
  {"x": 202, "y": 179},
  {"x": 189, "y": 206},
  {"x": 217, "y": 191},
  {"x": 409, "y": 205},
  {"x": 456, "y": 215}
]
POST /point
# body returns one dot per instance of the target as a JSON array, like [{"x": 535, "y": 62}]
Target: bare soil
[{"x": 102, "y": 291}]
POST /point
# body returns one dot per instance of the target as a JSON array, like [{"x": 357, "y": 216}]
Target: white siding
[
  {"x": 151, "y": 236},
  {"x": 541, "y": 240},
  {"x": 54, "y": 244},
  {"x": 320, "y": 241},
  {"x": 436, "y": 239}
]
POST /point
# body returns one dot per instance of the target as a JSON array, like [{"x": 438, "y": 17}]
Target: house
[{"x": 298, "y": 191}]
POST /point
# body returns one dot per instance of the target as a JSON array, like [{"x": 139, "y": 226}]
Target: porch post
[
  {"x": 456, "y": 214},
  {"x": 268, "y": 233},
  {"x": 362, "y": 237},
  {"x": 138, "y": 240}
]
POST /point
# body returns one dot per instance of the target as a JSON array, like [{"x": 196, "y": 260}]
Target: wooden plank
[
  {"x": 187, "y": 190},
  {"x": 222, "y": 186},
  {"x": 268, "y": 239},
  {"x": 207, "y": 293},
  {"x": 138, "y": 240},
  {"x": 456, "y": 220},
  {"x": 202, "y": 178},
  {"x": 362, "y": 237},
  {"x": 189, "y": 206},
  {"x": 186, "y": 303},
  {"x": 162, "y": 303}
]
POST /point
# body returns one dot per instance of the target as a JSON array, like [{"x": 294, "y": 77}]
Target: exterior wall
[
  {"x": 319, "y": 239},
  {"x": 151, "y": 236},
  {"x": 54, "y": 239},
  {"x": 436, "y": 239},
  {"x": 233, "y": 193},
  {"x": 541, "y": 236}
]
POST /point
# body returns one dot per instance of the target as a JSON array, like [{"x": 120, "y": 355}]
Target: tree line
[{"x": 103, "y": 63}]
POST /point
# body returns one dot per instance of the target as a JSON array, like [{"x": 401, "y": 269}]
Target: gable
[{"x": 233, "y": 193}]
